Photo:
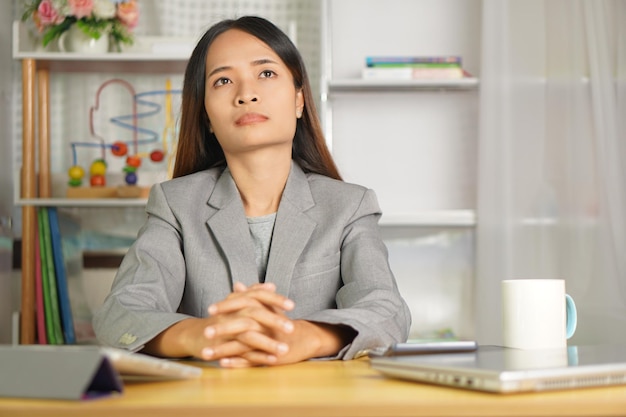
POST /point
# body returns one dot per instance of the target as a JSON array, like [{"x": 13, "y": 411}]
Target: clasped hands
[{"x": 250, "y": 328}]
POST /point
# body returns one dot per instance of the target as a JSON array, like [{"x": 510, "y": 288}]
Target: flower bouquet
[{"x": 94, "y": 18}]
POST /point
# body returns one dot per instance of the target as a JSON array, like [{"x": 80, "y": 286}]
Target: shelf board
[
  {"x": 432, "y": 218},
  {"x": 364, "y": 85},
  {"x": 147, "y": 54},
  {"x": 82, "y": 202}
]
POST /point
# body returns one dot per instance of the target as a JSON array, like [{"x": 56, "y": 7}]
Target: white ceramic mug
[
  {"x": 75, "y": 40},
  {"x": 537, "y": 314}
]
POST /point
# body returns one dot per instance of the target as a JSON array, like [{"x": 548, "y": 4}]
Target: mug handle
[{"x": 572, "y": 316}]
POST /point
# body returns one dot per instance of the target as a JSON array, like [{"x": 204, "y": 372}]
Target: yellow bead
[
  {"x": 76, "y": 172},
  {"x": 98, "y": 168}
]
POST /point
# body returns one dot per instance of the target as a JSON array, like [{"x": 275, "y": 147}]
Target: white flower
[
  {"x": 103, "y": 9},
  {"x": 62, "y": 7}
]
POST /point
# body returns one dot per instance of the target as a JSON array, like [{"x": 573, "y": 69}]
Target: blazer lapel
[
  {"x": 292, "y": 230},
  {"x": 230, "y": 228}
]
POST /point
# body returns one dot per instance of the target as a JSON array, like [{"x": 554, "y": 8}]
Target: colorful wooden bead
[{"x": 119, "y": 149}]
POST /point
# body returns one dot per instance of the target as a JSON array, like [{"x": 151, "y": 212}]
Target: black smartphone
[{"x": 420, "y": 348}]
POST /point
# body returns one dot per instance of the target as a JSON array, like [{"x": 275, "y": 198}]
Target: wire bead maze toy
[{"x": 98, "y": 169}]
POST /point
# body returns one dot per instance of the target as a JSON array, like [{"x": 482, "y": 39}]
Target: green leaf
[
  {"x": 90, "y": 27},
  {"x": 30, "y": 9}
]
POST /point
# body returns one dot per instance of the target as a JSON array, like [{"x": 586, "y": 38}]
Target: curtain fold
[{"x": 552, "y": 173}]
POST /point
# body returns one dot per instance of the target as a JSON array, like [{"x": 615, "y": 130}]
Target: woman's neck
[{"x": 260, "y": 180}]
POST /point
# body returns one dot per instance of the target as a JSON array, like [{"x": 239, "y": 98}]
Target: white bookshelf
[
  {"x": 368, "y": 85},
  {"x": 414, "y": 142},
  {"x": 434, "y": 218},
  {"x": 149, "y": 55}
]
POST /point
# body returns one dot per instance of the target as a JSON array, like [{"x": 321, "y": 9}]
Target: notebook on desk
[
  {"x": 502, "y": 370},
  {"x": 78, "y": 372}
]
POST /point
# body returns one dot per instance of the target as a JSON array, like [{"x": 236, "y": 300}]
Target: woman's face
[{"x": 250, "y": 97}]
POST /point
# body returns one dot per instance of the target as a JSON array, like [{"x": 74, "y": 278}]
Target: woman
[{"x": 256, "y": 253}]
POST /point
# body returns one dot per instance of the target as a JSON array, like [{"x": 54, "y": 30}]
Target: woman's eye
[
  {"x": 221, "y": 81},
  {"x": 267, "y": 74}
]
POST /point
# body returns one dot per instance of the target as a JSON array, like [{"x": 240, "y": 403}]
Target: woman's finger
[
  {"x": 240, "y": 287},
  {"x": 263, "y": 343},
  {"x": 255, "y": 347},
  {"x": 259, "y": 319},
  {"x": 249, "y": 298},
  {"x": 235, "y": 362},
  {"x": 227, "y": 349}
]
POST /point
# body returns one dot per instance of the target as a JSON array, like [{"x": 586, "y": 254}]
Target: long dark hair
[{"x": 198, "y": 148}]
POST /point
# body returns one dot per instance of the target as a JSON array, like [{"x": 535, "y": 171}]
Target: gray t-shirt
[{"x": 261, "y": 230}]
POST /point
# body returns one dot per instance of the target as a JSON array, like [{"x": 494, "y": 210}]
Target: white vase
[{"x": 75, "y": 40}]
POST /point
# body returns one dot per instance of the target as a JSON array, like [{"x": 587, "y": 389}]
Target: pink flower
[
  {"x": 47, "y": 15},
  {"x": 128, "y": 13},
  {"x": 80, "y": 8}
]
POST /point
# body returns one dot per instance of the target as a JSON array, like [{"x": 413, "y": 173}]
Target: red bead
[
  {"x": 98, "y": 181},
  {"x": 119, "y": 149},
  {"x": 157, "y": 155},
  {"x": 134, "y": 161}
]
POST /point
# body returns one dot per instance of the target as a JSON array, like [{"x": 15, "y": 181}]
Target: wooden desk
[{"x": 319, "y": 389}]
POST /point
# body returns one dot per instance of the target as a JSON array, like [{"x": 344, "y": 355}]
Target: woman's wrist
[
  {"x": 327, "y": 339},
  {"x": 176, "y": 341}
]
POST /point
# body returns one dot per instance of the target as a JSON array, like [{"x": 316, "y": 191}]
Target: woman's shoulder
[
  {"x": 342, "y": 197},
  {"x": 198, "y": 184},
  {"x": 324, "y": 184},
  {"x": 196, "y": 179}
]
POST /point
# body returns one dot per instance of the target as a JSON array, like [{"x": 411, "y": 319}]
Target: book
[
  {"x": 409, "y": 73},
  {"x": 51, "y": 302},
  {"x": 42, "y": 339},
  {"x": 373, "y": 61},
  {"x": 61, "y": 279},
  {"x": 44, "y": 281}
]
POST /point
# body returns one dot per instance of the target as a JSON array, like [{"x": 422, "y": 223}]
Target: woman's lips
[{"x": 250, "y": 118}]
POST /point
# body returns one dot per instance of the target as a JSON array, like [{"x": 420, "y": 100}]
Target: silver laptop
[
  {"x": 503, "y": 370},
  {"x": 143, "y": 367}
]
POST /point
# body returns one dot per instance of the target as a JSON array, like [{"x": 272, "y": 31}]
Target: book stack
[
  {"x": 54, "y": 315},
  {"x": 413, "y": 67}
]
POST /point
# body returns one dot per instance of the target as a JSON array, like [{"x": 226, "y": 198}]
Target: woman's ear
[{"x": 299, "y": 103}]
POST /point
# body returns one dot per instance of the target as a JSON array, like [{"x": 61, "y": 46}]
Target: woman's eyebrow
[
  {"x": 218, "y": 69},
  {"x": 263, "y": 61},
  {"x": 254, "y": 63}
]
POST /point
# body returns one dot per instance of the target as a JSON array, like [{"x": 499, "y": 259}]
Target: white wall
[{"x": 416, "y": 148}]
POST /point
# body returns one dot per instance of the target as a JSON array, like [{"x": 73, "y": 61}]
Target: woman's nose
[
  {"x": 246, "y": 94},
  {"x": 244, "y": 100}
]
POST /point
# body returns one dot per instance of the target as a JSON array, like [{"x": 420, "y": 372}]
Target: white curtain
[{"x": 552, "y": 158}]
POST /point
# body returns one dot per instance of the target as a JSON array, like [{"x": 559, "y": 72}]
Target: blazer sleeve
[
  {"x": 369, "y": 300},
  {"x": 149, "y": 284}
]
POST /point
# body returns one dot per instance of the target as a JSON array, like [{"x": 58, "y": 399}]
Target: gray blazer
[{"x": 326, "y": 255}]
